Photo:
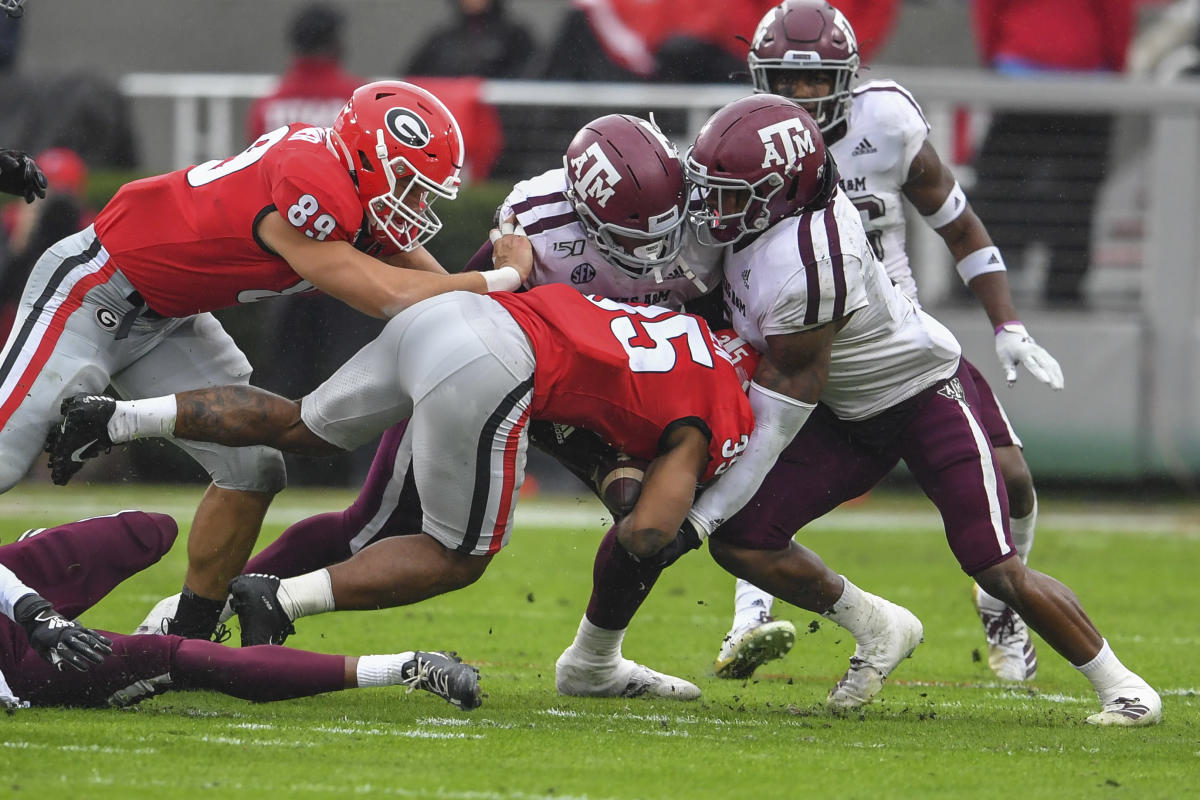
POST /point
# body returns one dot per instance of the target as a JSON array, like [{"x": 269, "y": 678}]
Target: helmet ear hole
[{"x": 364, "y": 162}]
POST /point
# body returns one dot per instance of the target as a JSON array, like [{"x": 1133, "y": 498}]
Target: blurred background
[{"x": 1102, "y": 253}]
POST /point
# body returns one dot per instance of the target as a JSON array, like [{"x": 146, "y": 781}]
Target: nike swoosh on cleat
[{"x": 75, "y": 455}]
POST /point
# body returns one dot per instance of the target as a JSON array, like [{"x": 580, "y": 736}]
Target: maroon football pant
[{"x": 75, "y": 565}]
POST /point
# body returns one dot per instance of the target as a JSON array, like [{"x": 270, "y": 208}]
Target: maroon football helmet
[
  {"x": 626, "y": 184},
  {"x": 807, "y": 35},
  {"x": 756, "y": 161}
]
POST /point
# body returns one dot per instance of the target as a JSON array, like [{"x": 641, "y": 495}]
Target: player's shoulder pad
[
  {"x": 887, "y": 104},
  {"x": 300, "y": 167}
]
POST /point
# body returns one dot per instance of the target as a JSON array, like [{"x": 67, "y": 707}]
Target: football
[{"x": 621, "y": 484}]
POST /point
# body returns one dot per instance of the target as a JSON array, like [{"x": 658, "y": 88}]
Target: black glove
[
  {"x": 56, "y": 638},
  {"x": 20, "y": 175}
]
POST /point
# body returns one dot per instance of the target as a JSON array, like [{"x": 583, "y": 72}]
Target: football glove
[
  {"x": 1014, "y": 346},
  {"x": 20, "y": 175},
  {"x": 57, "y": 639}
]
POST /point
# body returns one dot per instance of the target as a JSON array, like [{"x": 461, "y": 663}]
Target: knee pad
[{"x": 241, "y": 469}]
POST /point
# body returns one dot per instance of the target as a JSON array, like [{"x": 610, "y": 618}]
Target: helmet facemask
[
  {"x": 716, "y": 227},
  {"x": 636, "y": 252},
  {"x": 404, "y": 214},
  {"x": 828, "y": 111}
]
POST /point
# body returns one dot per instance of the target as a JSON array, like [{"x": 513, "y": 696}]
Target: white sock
[
  {"x": 1021, "y": 529},
  {"x": 382, "y": 670},
  {"x": 306, "y": 594},
  {"x": 750, "y": 605},
  {"x": 137, "y": 419},
  {"x": 597, "y": 646},
  {"x": 854, "y": 610},
  {"x": 1108, "y": 675}
]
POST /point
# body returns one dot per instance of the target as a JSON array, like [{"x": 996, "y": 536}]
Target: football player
[
  {"x": 469, "y": 373},
  {"x": 804, "y": 288},
  {"x": 806, "y": 50},
  {"x": 127, "y": 301},
  {"x": 38, "y": 637},
  {"x": 610, "y": 221}
]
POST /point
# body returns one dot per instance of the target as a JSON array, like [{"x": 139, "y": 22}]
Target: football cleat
[
  {"x": 156, "y": 621},
  {"x": 894, "y": 640},
  {"x": 1136, "y": 706},
  {"x": 82, "y": 434},
  {"x": 746, "y": 649},
  {"x": 1011, "y": 653},
  {"x": 623, "y": 678},
  {"x": 255, "y": 599},
  {"x": 445, "y": 675}
]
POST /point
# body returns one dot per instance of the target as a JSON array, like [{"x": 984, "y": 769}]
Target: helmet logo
[
  {"x": 595, "y": 175},
  {"x": 406, "y": 127},
  {"x": 795, "y": 140}
]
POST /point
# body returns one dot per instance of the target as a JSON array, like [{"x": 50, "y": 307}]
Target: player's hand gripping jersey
[
  {"x": 186, "y": 240},
  {"x": 563, "y": 254},
  {"x": 630, "y": 372}
]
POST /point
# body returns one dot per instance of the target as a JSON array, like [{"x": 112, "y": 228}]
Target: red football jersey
[
  {"x": 628, "y": 371},
  {"x": 186, "y": 239}
]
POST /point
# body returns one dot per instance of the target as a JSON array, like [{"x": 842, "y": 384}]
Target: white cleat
[
  {"x": 875, "y": 657},
  {"x": 156, "y": 621},
  {"x": 746, "y": 649},
  {"x": 1135, "y": 707},
  {"x": 1011, "y": 654},
  {"x": 624, "y": 678}
]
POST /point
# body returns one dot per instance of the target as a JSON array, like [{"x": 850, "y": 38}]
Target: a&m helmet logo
[
  {"x": 595, "y": 175},
  {"x": 785, "y": 144},
  {"x": 407, "y": 127}
]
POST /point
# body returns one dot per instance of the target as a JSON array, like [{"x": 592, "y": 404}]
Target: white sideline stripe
[{"x": 590, "y": 517}]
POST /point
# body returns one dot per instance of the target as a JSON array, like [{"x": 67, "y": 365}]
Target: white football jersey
[
  {"x": 885, "y": 130},
  {"x": 817, "y": 268},
  {"x": 562, "y": 252}
]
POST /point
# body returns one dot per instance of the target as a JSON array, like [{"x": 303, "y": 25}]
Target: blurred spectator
[
  {"x": 1038, "y": 174},
  {"x": 10, "y": 39},
  {"x": 81, "y": 111},
  {"x": 482, "y": 41},
  {"x": 28, "y": 230},
  {"x": 315, "y": 86}
]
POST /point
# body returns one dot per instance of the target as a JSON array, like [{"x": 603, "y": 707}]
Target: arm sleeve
[
  {"x": 777, "y": 420},
  {"x": 12, "y": 589}
]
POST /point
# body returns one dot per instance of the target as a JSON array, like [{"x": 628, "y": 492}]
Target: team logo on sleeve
[
  {"x": 407, "y": 127},
  {"x": 595, "y": 175},
  {"x": 785, "y": 143}
]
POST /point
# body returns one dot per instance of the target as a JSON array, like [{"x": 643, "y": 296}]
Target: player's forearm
[
  {"x": 238, "y": 416},
  {"x": 992, "y": 290}
]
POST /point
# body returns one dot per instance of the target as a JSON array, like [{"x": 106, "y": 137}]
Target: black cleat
[
  {"x": 82, "y": 434},
  {"x": 255, "y": 599},
  {"x": 445, "y": 675}
]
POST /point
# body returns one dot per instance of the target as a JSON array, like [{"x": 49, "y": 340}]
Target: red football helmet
[
  {"x": 807, "y": 35},
  {"x": 626, "y": 184},
  {"x": 756, "y": 161},
  {"x": 404, "y": 150}
]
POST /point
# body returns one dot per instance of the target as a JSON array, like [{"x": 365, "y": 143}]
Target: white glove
[{"x": 1015, "y": 346}]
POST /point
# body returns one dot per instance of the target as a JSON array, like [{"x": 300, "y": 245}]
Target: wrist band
[
  {"x": 502, "y": 279},
  {"x": 1004, "y": 325},
  {"x": 981, "y": 262},
  {"x": 955, "y": 205}
]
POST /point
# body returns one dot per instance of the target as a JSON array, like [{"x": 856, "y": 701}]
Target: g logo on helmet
[
  {"x": 795, "y": 139},
  {"x": 595, "y": 175},
  {"x": 407, "y": 127}
]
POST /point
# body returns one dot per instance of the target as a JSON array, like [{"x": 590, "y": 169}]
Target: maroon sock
[
  {"x": 309, "y": 544},
  {"x": 261, "y": 673},
  {"x": 619, "y": 585}
]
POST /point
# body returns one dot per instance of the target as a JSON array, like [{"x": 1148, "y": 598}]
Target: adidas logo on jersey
[{"x": 864, "y": 148}]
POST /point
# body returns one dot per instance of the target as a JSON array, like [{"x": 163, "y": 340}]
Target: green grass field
[{"x": 941, "y": 728}]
